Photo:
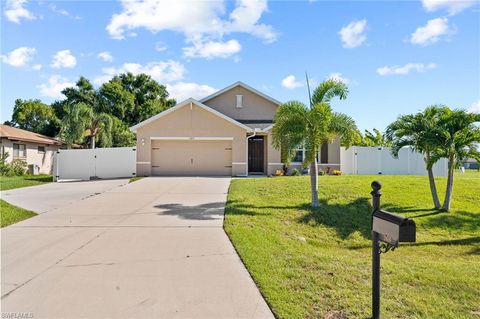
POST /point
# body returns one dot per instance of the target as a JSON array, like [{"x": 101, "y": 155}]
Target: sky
[{"x": 397, "y": 57}]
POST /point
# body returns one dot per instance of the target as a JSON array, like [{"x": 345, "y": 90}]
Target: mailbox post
[{"x": 388, "y": 230}]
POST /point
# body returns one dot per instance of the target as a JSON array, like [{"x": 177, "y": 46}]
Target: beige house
[
  {"x": 226, "y": 133},
  {"x": 31, "y": 147}
]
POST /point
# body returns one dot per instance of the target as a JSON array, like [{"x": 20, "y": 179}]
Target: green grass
[
  {"x": 10, "y": 214},
  {"x": 23, "y": 181},
  {"x": 134, "y": 179},
  {"x": 313, "y": 263}
]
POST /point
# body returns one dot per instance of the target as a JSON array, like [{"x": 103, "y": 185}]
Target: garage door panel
[{"x": 192, "y": 158}]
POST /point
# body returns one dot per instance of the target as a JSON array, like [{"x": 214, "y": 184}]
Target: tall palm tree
[
  {"x": 73, "y": 123},
  {"x": 419, "y": 131},
  {"x": 298, "y": 125},
  {"x": 459, "y": 135},
  {"x": 98, "y": 125}
]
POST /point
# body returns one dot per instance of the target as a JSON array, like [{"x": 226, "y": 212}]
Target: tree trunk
[
  {"x": 449, "y": 191},
  {"x": 92, "y": 141},
  {"x": 314, "y": 182},
  {"x": 433, "y": 188}
]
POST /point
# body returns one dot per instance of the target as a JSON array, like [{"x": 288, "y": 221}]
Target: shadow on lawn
[
  {"x": 42, "y": 179},
  {"x": 345, "y": 218}
]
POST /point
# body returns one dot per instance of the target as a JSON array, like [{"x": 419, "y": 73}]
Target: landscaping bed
[{"x": 316, "y": 263}]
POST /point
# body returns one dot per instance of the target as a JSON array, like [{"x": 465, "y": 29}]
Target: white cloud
[
  {"x": 290, "y": 82},
  {"x": 431, "y": 32},
  {"x": 160, "y": 46},
  {"x": 338, "y": 77},
  {"x": 353, "y": 34},
  {"x": 105, "y": 56},
  {"x": 20, "y": 57},
  {"x": 37, "y": 67},
  {"x": 182, "y": 90},
  {"x": 475, "y": 107},
  {"x": 212, "y": 49},
  {"x": 163, "y": 71},
  {"x": 405, "y": 69},
  {"x": 452, "y": 6},
  {"x": 15, "y": 11},
  {"x": 64, "y": 59},
  {"x": 199, "y": 21},
  {"x": 54, "y": 86}
]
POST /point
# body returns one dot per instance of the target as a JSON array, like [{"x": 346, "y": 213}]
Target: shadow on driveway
[{"x": 207, "y": 211}]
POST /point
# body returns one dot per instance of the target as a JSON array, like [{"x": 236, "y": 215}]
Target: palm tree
[
  {"x": 298, "y": 125},
  {"x": 419, "y": 131},
  {"x": 73, "y": 123},
  {"x": 459, "y": 136},
  {"x": 98, "y": 125}
]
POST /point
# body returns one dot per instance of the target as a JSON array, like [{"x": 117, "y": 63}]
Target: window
[
  {"x": 19, "y": 151},
  {"x": 298, "y": 156},
  {"x": 41, "y": 149}
]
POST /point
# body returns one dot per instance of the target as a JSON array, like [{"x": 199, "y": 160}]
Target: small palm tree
[
  {"x": 98, "y": 125},
  {"x": 298, "y": 125},
  {"x": 459, "y": 137},
  {"x": 419, "y": 132}
]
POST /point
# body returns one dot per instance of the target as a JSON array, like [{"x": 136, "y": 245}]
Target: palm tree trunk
[
  {"x": 449, "y": 191},
  {"x": 433, "y": 188},
  {"x": 92, "y": 141},
  {"x": 314, "y": 182}
]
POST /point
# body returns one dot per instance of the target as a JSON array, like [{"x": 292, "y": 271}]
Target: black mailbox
[{"x": 393, "y": 229}]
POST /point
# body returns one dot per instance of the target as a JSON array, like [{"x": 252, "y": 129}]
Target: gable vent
[{"x": 239, "y": 104}]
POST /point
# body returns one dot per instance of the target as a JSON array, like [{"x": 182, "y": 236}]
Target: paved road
[{"x": 151, "y": 249}]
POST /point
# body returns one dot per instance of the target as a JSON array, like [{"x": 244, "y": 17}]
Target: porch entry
[{"x": 256, "y": 155}]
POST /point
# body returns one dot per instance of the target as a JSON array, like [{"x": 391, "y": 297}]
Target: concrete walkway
[{"x": 151, "y": 249}]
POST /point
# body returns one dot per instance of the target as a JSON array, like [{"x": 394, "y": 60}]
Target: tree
[
  {"x": 419, "y": 131},
  {"x": 134, "y": 98},
  {"x": 35, "y": 116},
  {"x": 298, "y": 125},
  {"x": 459, "y": 136},
  {"x": 73, "y": 123}
]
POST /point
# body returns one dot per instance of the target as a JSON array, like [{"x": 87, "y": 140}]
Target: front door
[{"x": 255, "y": 154}]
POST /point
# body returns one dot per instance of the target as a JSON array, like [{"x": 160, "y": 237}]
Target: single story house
[
  {"x": 226, "y": 133},
  {"x": 33, "y": 148}
]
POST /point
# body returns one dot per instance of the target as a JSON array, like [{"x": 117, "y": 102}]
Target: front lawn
[
  {"x": 317, "y": 263},
  {"x": 23, "y": 181},
  {"x": 10, "y": 214}
]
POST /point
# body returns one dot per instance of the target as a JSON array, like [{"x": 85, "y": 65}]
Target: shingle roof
[{"x": 13, "y": 133}]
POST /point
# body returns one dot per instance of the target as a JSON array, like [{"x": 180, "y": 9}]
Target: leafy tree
[
  {"x": 375, "y": 138},
  {"x": 73, "y": 123},
  {"x": 419, "y": 132},
  {"x": 297, "y": 124},
  {"x": 134, "y": 98},
  {"x": 121, "y": 134},
  {"x": 35, "y": 116},
  {"x": 458, "y": 137}
]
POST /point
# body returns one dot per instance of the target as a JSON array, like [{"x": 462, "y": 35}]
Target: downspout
[{"x": 246, "y": 147}]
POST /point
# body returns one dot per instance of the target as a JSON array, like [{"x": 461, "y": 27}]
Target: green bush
[
  {"x": 295, "y": 172},
  {"x": 19, "y": 167}
]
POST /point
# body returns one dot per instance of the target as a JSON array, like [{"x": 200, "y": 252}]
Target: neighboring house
[
  {"x": 471, "y": 163},
  {"x": 31, "y": 147},
  {"x": 226, "y": 133}
]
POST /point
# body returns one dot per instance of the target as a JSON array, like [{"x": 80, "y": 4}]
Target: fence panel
[{"x": 86, "y": 164}]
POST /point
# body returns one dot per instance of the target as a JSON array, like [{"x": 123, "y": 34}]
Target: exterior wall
[
  {"x": 254, "y": 107},
  {"x": 43, "y": 160},
  {"x": 191, "y": 122},
  {"x": 334, "y": 152},
  {"x": 274, "y": 160}
]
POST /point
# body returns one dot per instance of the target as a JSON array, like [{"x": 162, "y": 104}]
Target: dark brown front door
[{"x": 255, "y": 154}]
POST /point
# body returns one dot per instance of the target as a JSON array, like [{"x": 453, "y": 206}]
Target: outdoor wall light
[{"x": 143, "y": 142}]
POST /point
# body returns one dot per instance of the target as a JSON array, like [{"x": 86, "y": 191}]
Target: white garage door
[{"x": 186, "y": 157}]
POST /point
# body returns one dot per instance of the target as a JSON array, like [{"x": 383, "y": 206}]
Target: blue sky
[{"x": 396, "y": 56}]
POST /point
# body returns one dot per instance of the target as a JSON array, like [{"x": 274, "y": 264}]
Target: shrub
[
  {"x": 19, "y": 167},
  {"x": 295, "y": 172},
  {"x": 321, "y": 172},
  {"x": 279, "y": 172},
  {"x": 337, "y": 172}
]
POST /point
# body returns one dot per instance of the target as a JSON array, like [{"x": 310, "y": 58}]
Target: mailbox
[{"x": 393, "y": 229}]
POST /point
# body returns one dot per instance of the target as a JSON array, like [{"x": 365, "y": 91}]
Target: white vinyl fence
[
  {"x": 86, "y": 164},
  {"x": 379, "y": 160}
]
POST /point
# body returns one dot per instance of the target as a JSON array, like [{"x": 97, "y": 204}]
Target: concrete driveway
[{"x": 151, "y": 249}]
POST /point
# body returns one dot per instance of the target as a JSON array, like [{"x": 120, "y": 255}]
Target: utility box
[
  {"x": 393, "y": 229},
  {"x": 33, "y": 169}
]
